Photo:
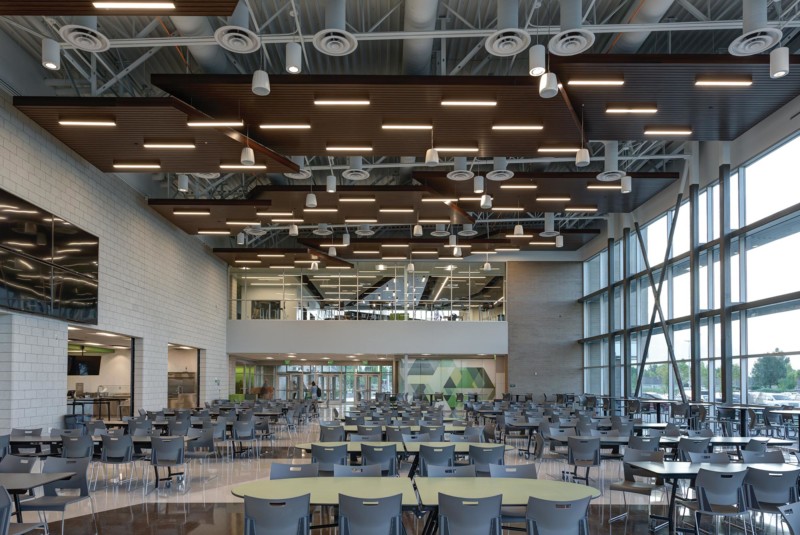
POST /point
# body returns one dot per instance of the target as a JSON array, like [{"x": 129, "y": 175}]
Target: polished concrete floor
[{"x": 205, "y": 506}]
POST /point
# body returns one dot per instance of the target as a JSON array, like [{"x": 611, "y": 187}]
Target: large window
[{"x": 771, "y": 182}]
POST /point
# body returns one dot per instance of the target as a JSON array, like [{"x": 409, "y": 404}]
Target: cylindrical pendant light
[
  {"x": 294, "y": 230},
  {"x": 294, "y": 58},
  {"x": 240, "y": 238},
  {"x": 311, "y": 201},
  {"x": 560, "y": 241},
  {"x": 346, "y": 238},
  {"x": 314, "y": 266},
  {"x": 51, "y": 54},
  {"x": 330, "y": 184},
  {"x": 627, "y": 184},
  {"x": 451, "y": 241},
  {"x": 410, "y": 267},
  {"x": 548, "y": 85},
  {"x": 331, "y": 251},
  {"x": 549, "y": 222},
  {"x": 457, "y": 251},
  {"x": 183, "y": 183},
  {"x": 261, "y": 83},
  {"x": 518, "y": 230},
  {"x": 779, "y": 62},
  {"x": 248, "y": 156},
  {"x": 477, "y": 184},
  {"x": 487, "y": 266},
  {"x": 486, "y": 201},
  {"x": 537, "y": 60},
  {"x": 431, "y": 157},
  {"x": 417, "y": 230},
  {"x": 582, "y": 158}
]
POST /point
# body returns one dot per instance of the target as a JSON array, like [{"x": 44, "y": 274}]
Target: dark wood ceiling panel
[
  {"x": 713, "y": 113},
  {"x": 296, "y": 258},
  {"x": 222, "y": 8},
  {"x": 393, "y": 99},
  {"x": 219, "y": 213},
  {"x": 137, "y": 120}
]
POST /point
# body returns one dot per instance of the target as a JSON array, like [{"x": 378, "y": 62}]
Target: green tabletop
[
  {"x": 326, "y": 490},
  {"x": 414, "y": 428},
  {"x": 515, "y": 491},
  {"x": 410, "y": 447}
]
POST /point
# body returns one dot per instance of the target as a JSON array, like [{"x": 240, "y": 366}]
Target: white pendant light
[
  {"x": 294, "y": 58},
  {"x": 330, "y": 184},
  {"x": 537, "y": 60},
  {"x": 417, "y": 230},
  {"x": 240, "y": 238},
  {"x": 626, "y": 184},
  {"x": 457, "y": 251},
  {"x": 311, "y": 200},
  {"x": 582, "y": 158},
  {"x": 477, "y": 184},
  {"x": 431, "y": 157},
  {"x": 451, "y": 241},
  {"x": 248, "y": 156},
  {"x": 260, "y": 85},
  {"x": 518, "y": 230},
  {"x": 548, "y": 85},
  {"x": 346, "y": 238},
  {"x": 294, "y": 230},
  {"x": 331, "y": 251},
  {"x": 440, "y": 231},
  {"x": 183, "y": 183},
  {"x": 410, "y": 267},
  {"x": 51, "y": 54},
  {"x": 779, "y": 62},
  {"x": 560, "y": 241},
  {"x": 487, "y": 266},
  {"x": 486, "y": 202},
  {"x": 314, "y": 266}
]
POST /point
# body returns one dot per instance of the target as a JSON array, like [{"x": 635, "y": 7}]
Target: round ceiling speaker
[
  {"x": 255, "y": 230},
  {"x": 460, "y": 172},
  {"x": 548, "y": 85},
  {"x": 500, "y": 173},
  {"x": 206, "y": 176},
  {"x": 582, "y": 158},
  {"x": 260, "y": 84},
  {"x": 248, "y": 156},
  {"x": 417, "y": 232},
  {"x": 507, "y": 42},
  {"x": 364, "y": 230},
  {"x": 84, "y": 38},
  {"x": 322, "y": 230},
  {"x": 431, "y": 157},
  {"x": 356, "y": 172},
  {"x": 237, "y": 39},
  {"x": 440, "y": 231},
  {"x": 333, "y": 42},
  {"x": 302, "y": 173},
  {"x": 467, "y": 231}
]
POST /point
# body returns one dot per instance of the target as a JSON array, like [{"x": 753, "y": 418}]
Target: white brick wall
[{"x": 156, "y": 283}]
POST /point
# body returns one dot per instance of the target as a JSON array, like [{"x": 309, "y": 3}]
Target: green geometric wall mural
[{"x": 451, "y": 377}]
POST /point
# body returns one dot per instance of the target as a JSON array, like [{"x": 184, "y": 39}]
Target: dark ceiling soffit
[{"x": 585, "y": 175}]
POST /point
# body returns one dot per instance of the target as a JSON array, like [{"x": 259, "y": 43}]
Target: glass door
[
  {"x": 331, "y": 385},
  {"x": 367, "y": 385},
  {"x": 295, "y": 389}
]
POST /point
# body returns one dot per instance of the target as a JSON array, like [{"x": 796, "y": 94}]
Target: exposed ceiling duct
[
  {"x": 356, "y": 172},
  {"x": 641, "y": 12},
  {"x": 83, "y": 35},
  {"x": 460, "y": 171},
  {"x": 211, "y": 59},
  {"x": 420, "y": 16},
  {"x": 302, "y": 173},
  {"x": 549, "y": 226},
  {"x": 611, "y": 170},
  {"x": 509, "y": 39},
  {"x": 236, "y": 36},
  {"x": 499, "y": 172},
  {"x": 572, "y": 39},
  {"x": 334, "y": 40},
  {"x": 757, "y": 36}
]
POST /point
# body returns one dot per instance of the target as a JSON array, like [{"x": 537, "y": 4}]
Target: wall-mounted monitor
[{"x": 83, "y": 365}]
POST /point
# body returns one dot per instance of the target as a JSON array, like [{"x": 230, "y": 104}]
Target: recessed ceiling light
[
  {"x": 558, "y": 149},
  {"x": 235, "y": 166},
  {"x": 280, "y": 267},
  {"x": 87, "y": 122},
  {"x": 133, "y": 5},
  {"x": 353, "y": 148},
  {"x": 214, "y": 124},
  {"x": 667, "y": 131},
  {"x": 407, "y": 127},
  {"x": 425, "y": 252},
  {"x": 580, "y": 209},
  {"x": 393, "y": 258},
  {"x": 518, "y": 186},
  {"x": 285, "y": 126},
  {"x": 517, "y": 127},
  {"x": 286, "y": 220},
  {"x": 469, "y": 103},
  {"x": 604, "y": 186},
  {"x": 457, "y": 149},
  {"x": 356, "y": 199},
  {"x": 177, "y": 211},
  {"x": 169, "y": 145},
  {"x": 553, "y": 199},
  {"x": 396, "y": 210},
  {"x": 724, "y": 81},
  {"x": 212, "y": 231},
  {"x": 126, "y": 165},
  {"x": 341, "y": 102},
  {"x": 632, "y": 108},
  {"x": 597, "y": 81},
  {"x": 82, "y": 243}
]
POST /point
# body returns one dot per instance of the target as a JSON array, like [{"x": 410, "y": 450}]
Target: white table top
[
  {"x": 326, "y": 490},
  {"x": 515, "y": 491},
  {"x": 414, "y": 428},
  {"x": 410, "y": 447}
]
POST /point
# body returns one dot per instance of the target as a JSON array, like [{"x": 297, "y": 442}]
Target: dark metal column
[
  {"x": 197, "y": 401},
  {"x": 612, "y": 357},
  {"x": 694, "y": 290},
  {"x": 626, "y": 308},
  {"x": 726, "y": 342},
  {"x": 133, "y": 377}
]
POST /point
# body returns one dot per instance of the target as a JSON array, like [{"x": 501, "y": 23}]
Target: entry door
[
  {"x": 367, "y": 385},
  {"x": 294, "y": 386},
  {"x": 331, "y": 385}
]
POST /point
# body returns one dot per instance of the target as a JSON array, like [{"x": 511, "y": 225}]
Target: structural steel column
[
  {"x": 626, "y": 307},
  {"x": 694, "y": 290},
  {"x": 612, "y": 358},
  {"x": 726, "y": 342}
]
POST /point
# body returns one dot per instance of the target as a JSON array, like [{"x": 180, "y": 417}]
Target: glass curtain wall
[{"x": 763, "y": 252}]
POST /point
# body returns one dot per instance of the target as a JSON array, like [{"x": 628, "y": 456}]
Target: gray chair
[
  {"x": 116, "y": 451},
  {"x": 167, "y": 452},
  {"x": 719, "y": 495},
  {"x": 511, "y": 514},
  {"x": 14, "y": 464},
  {"x": 464, "y": 470},
  {"x": 435, "y": 455},
  {"x": 244, "y": 432},
  {"x": 396, "y": 433},
  {"x": 766, "y": 490},
  {"x": 5, "y": 445},
  {"x": 179, "y": 428},
  {"x": 546, "y": 517},
  {"x": 76, "y": 447},
  {"x": 331, "y": 433},
  {"x": 142, "y": 427},
  {"x": 774, "y": 456},
  {"x": 8, "y": 528},
  {"x": 292, "y": 471},
  {"x": 714, "y": 458},
  {"x": 366, "y": 438},
  {"x": 52, "y": 501},
  {"x": 340, "y": 470},
  {"x": 756, "y": 445},
  {"x": 469, "y": 516},
  {"x": 435, "y": 432},
  {"x": 370, "y": 516},
  {"x": 419, "y": 437},
  {"x": 369, "y": 429},
  {"x": 96, "y": 428},
  {"x": 791, "y": 515},
  {"x": 473, "y": 434},
  {"x": 287, "y": 516},
  {"x": 643, "y": 443},
  {"x": 385, "y": 456},
  {"x": 687, "y": 444},
  {"x": 483, "y": 456},
  {"x": 327, "y": 456},
  {"x": 583, "y": 452},
  {"x": 636, "y": 481},
  {"x": 26, "y": 433}
]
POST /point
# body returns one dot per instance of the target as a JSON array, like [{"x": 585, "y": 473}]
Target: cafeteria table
[
  {"x": 742, "y": 410},
  {"x": 20, "y": 483},
  {"x": 789, "y": 412},
  {"x": 448, "y": 428},
  {"x": 675, "y": 470},
  {"x": 514, "y": 491},
  {"x": 326, "y": 490}
]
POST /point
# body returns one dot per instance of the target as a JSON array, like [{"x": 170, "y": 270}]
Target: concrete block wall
[
  {"x": 544, "y": 323},
  {"x": 156, "y": 283}
]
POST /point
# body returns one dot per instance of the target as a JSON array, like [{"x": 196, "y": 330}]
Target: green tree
[{"x": 769, "y": 371}]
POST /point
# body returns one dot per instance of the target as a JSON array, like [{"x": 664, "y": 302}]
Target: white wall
[
  {"x": 115, "y": 374},
  {"x": 374, "y": 337},
  {"x": 156, "y": 283}
]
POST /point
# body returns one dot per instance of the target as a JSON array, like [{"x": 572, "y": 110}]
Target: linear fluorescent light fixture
[
  {"x": 407, "y": 126},
  {"x": 474, "y": 103},
  {"x": 667, "y": 131},
  {"x": 444, "y": 200},
  {"x": 394, "y": 245},
  {"x": 556, "y": 150},
  {"x": 247, "y": 261},
  {"x": 508, "y": 209},
  {"x": 211, "y": 231},
  {"x": 432, "y": 221},
  {"x": 191, "y": 212},
  {"x": 356, "y": 199},
  {"x": 724, "y": 81},
  {"x": 643, "y": 109},
  {"x": 553, "y": 199},
  {"x": 133, "y": 165},
  {"x": 506, "y": 249},
  {"x": 133, "y": 5},
  {"x": 542, "y": 243},
  {"x": 364, "y": 251},
  {"x": 271, "y": 255},
  {"x": 396, "y": 210},
  {"x": 515, "y": 236},
  {"x": 517, "y": 127},
  {"x": 214, "y": 124},
  {"x": 169, "y": 145},
  {"x": 360, "y": 220},
  {"x": 242, "y": 223},
  {"x": 276, "y": 214},
  {"x": 457, "y": 149},
  {"x": 322, "y": 210},
  {"x": 87, "y": 122},
  {"x": 341, "y": 102},
  {"x": 597, "y": 81},
  {"x": 518, "y": 186},
  {"x": 287, "y": 220},
  {"x": 285, "y": 126},
  {"x": 580, "y": 209},
  {"x": 604, "y": 187},
  {"x": 355, "y": 148},
  {"x": 235, "y": 166}
]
